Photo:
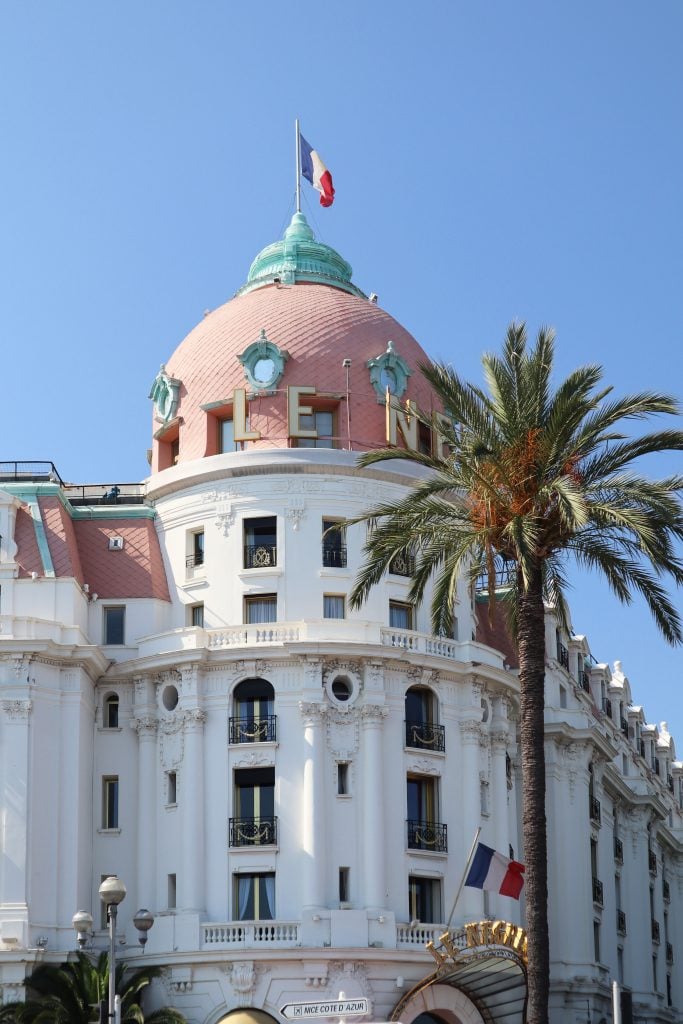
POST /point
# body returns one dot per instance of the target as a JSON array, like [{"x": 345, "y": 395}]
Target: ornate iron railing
[
  {"x": 334, "y": 557},
  {"x": 425, "y": 735},
  {"x": 597, "y": 891},
  {"x": 669, "y": 953},
  {"x": 585, "y": 681},
  {"x": 624, "y": 727},
  {"x": 607, "y": 706},
  {"x": 260, "y": 556},
  {"x": 194, "y": 561},
  {"x": 652, "y": 861},
  {"x": 427, "y": 835},
  {"x": 253, "y": 730},
  {"x": 562, "y": 655},
  {"x": 666, "y": 891},
  {"x": 655, "y": 931},
  {"x": 618, "y": 850},
  {"x": 253, "y": 831},
  {"x": 402, "y": 565},
  {"x": 595, "y": 810},
  {"x": 621, "y": 922}
]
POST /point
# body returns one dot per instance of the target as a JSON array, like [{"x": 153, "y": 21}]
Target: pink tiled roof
[
  {"x": 319, "y": 326},
  {"x": 28, "y": 555},
  {"x": 496, "y": 633},
  {"x": 61, "y": 538},
  {"x": 135, "y": 571}
]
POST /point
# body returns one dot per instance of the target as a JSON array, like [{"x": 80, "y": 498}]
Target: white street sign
[{"x": 334, "y": 1008}]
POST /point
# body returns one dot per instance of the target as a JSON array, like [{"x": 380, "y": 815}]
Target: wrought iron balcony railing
[
  {"x": 652, "y": 861},
  {"x": 253, "y": 730},
  {"x": 641, "y": 747},
  {"x": 607, "y": 706},
  {"x": 425, "y": 735},
  {"x": 194, "y": 561},
  {"x": 260, "y": 556},
  {"x": 334, "y": 557},
  {"x": 624, "y": 727},
  {"x": 595, "y": 810},
  {"x": 402, "y": 565},
  {"x": 655, "y": 931},
  {"x": 655, "y": 765},
  {"x": 563, "y": 655},
  {"x": 618, "y": 850},
  {"x": 427, "y": 835},
  {"x": 666, "y": 892},
  {"x": 670, "y": 783},
  {"x": 597, "y": 891},
  {"x": 253, "y": 831},
  {"x": 621, "y": 922},
  {"x": 669, "y": 953},
  {"x": 585, "y": 681}
]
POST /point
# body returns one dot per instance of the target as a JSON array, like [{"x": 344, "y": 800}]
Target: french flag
[
  {"x": 495, "y": 873},
  {"x": 314, "y": 170}
]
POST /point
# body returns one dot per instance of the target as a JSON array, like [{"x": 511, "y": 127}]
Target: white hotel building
[{"x": 290, "y": 786}]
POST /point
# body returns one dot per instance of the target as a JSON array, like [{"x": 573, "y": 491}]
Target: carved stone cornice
[
  {"x": 499, "y": 740},
  {"x": 373, "y": 714},
  {"x": 312, "y": 713},
  {"x": 470, "y": 730},
  {"x": 144, "y": 725},
  {"x": 17, "y": 710},
  {"x": 194, "y": 718}
]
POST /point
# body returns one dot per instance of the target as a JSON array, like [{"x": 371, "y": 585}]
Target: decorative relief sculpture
[{"x": 17, "y": 710}]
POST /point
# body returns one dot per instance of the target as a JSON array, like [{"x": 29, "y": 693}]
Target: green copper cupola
[{"x": 299, "y": 258}]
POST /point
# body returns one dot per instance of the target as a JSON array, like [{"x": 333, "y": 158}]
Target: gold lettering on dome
[
  {"x": 448, "y": 944},
  {"x": 496, "y": 933},
  {"x": 440, "y": 439},
  {"x": 472, "y": 934},
  {"x": 239, "y": 418},
  {"x": 438, "y": 956},
  {"x": 294, "y": 411},
  {"x": 401, "y": 420}
]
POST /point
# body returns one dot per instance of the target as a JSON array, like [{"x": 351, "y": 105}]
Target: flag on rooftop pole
[
  {"x": 495, "y": 873},
  {"x": 314, "y": 170}
]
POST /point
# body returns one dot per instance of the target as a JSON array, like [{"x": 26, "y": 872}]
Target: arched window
[
  {"x": 422, "y": 729},
  {"x": 253, "y": 720},
  {"x": 111, "y": 711}
]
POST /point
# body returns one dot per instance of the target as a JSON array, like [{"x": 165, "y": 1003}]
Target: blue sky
[{"x": 492, "y": 160}]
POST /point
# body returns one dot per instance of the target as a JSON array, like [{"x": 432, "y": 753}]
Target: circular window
[
  {"x": 264, "y": 370},
  {"x": 169, "y": 698},
  {"x": 341, "y": 688}
]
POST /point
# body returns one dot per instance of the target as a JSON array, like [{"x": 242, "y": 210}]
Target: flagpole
[
  {"x": 464, "y": 875},
  {"x": 298, "y": 167}
]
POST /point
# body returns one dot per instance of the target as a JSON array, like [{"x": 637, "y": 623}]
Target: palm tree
[
  {"x": 71, "y": 993},
  {"x": 533, "y": 477}
]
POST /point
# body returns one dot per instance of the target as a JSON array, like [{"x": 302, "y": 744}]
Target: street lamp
[{"x": 112, "y": 892}]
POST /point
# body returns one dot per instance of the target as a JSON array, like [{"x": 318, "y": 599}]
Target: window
[
  {"x": 114, "y": 621},
  {"x": 195, "y": 552},
  {"x": 321, "y": 421},
  {"x": 253, "y": 720},
  {"x": 197, "y": 614},
  {"x": 596, "y": 941},
  {"x": 334, "y": 545},
  {"x": 171, "y": 788},
  {"x": 111, "y": 712},
  {"x": 424, "y": 830},
  {"x": 254, "y": 823},
  {"x": 254, "y": 897},
  {"x": 342, "y": 778},
  {"x": 172, "y": 887},
  {"x": 424, "y": 899},
  {"x": 344, "y": 885},
  {"x": 110, "y": 801},
  {"x": 260, "y": 542},
  {"x": 422, "y": 732},
  {"x": 400, "y": 615},
  {"x": 333, "y": 606},
  {"x": 260, "y": 609}
]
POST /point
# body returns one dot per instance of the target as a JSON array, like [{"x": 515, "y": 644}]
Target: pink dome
[{"x": 318, "y": 326}]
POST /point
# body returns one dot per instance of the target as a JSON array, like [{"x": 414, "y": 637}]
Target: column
[
  {"x": 313, "y": 810},
  {"x": 14, "y": 835},
  {"x": 146, "y": 728},
  {"x": 471, "y": 904},
  {"x": 372, "y": 716},
  {"x": 500, "y": 905},
  {"x": 192, "y": 882}
]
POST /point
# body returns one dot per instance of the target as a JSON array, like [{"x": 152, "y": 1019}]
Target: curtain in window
[
  {"x": 244, "y": 891},
  {"x": 400, "y": 616},
  {"x": 269, "y": 909},
  {"x": 333, "y": 606},
  {"x": 262, "y": 610}
]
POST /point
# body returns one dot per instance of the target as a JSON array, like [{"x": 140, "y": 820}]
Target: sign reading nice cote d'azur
[
  {"x": 330, "y": 1008},
  {"x": 400, "y": 419}
]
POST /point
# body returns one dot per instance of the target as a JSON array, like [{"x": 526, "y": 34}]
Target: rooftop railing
[{"x": 30, "y": 472}]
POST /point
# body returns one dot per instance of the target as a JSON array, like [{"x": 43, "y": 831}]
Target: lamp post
[{"x": 112, "y": 892}]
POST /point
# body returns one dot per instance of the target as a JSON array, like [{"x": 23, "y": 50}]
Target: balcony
[
  {"x": 251, "y": 934},
  {"x": 260, "y": 556},
  {"x": 652, "y": 862},
  {"x": 641, "y": 747},
  {"x": 654, "y": 928},
  {"x": 655, "y": 765},
  {"x": 253, "y": 730},
  {"x": 334, "y": 557},
  {"x": 666, "y": 892},
  {"x": 607, "y": 707},
  {"x": 427, "y": 835},
  {"x": 425, "y": 736},
  {"x": 669, "y": 953},
  {"x": 595, "y": 810},
  {"x": 618, "y": 851},
  {"x": 585, "y": 681},
  {"x": 623, "y": 725},
  {"x": 563, "y": 655},
  {"x": 597, "y": 892},
  {"x": 253, "y": 831},
  {"x": 621, "y": 922},
  {"x": 402, "y": 565},
  {"x": 194, "y": 561},
  {"x": 670, "y": 783}
]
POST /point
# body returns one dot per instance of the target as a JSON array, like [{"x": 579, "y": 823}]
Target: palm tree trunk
[{"x": 531, "y": 641}]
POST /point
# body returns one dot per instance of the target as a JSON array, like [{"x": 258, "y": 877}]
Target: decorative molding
[
  {"x": 17, "y": 710},
  {"x": 423, "y": 766},
  {"x": 194, "y": 718},
  {"x": 312, "y": 713},
  {"x": 253, "y": 760},
  {"x": 243, "y": 980},
  {"x": 296, "y": 514},
  {"x": 144, "y": 725},
  {"x": 470, "y": 730},
  {"x": 373, "y": 714}
]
